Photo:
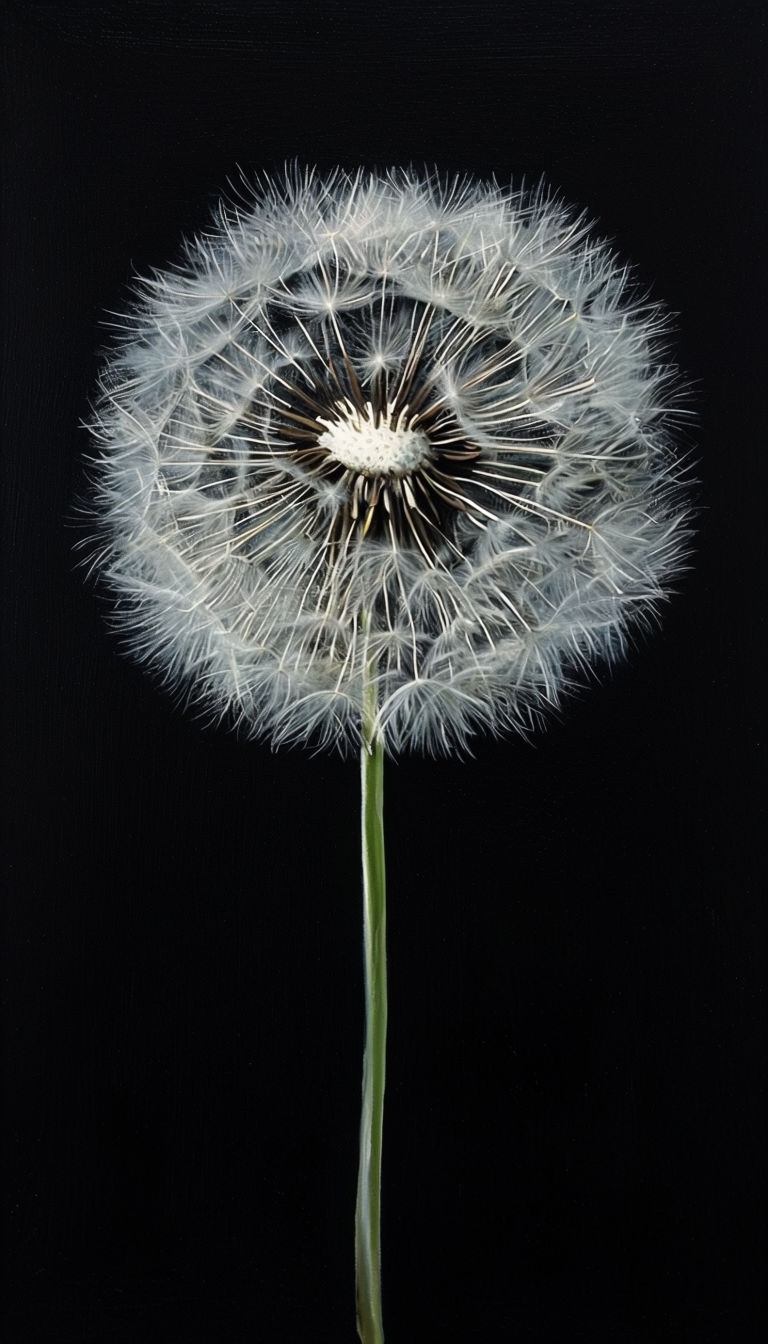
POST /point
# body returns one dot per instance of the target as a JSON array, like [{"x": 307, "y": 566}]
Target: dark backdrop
[{"x": 573, "y": 1130}]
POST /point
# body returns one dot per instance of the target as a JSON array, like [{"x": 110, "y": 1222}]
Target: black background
[{"x": 573, "y": 1139}]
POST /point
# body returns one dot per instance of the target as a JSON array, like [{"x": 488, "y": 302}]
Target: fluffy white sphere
[{"x": 386, "y": 439}]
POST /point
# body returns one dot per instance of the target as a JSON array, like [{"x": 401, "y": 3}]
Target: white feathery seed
[{"x": 383, "y": 428}]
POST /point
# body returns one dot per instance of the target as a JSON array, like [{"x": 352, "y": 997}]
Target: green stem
[{"x": 368, "y": 1216}]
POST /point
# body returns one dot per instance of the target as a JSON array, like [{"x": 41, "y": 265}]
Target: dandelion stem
[{"x": 368, "y": 1216}]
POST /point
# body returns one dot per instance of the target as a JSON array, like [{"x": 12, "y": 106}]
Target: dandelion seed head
[{"x": 387, "y": 431}]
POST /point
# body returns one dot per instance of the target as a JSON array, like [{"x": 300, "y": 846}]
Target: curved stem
[{"x": 368, "y": 1216}]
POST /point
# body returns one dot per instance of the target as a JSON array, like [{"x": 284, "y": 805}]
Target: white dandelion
[
  {"x": 385, "y": 462},
  {"x": 391, "y": 438}
]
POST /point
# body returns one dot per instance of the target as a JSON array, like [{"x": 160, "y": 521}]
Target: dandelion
[{"x": 383, "y": 463}]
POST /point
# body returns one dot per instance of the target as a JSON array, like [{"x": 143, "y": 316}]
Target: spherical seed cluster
[{"x": 386, "y": 439}]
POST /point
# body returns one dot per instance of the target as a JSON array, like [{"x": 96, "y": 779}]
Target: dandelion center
[{"x": 375, "y": 442}]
